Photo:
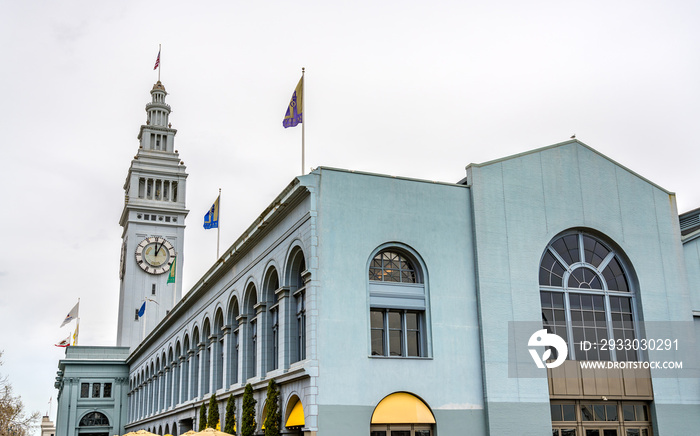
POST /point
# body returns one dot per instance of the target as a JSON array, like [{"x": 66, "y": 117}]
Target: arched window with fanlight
[
  {"x": 587, "y": 296},
  {"x": 398, "y": 303}
]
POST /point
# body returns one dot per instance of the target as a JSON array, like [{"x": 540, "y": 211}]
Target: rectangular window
[
  {"x": 153, "y": 289},
  {"x": 396, "y": 333},
  {"x": 107, "y": 393},
  {"x": 84, "y": 390},
  {"x": 301, "y": 326},
  {"x": 96, "y": 390}
]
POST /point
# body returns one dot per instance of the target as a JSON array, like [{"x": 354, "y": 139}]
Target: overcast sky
[{"x": 409, "y": 88}]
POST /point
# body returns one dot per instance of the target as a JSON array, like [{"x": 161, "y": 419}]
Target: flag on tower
[
  {"x": 71, "y": 315},
  {"x": 142, "y": 310},
  {"x": 211, "y": 218},
  {"x": 296, "y": 107},
  {"x": 64, "y": 343},
  {"x": 157, "y": 61},
  {"x": 171, "y": 276}
]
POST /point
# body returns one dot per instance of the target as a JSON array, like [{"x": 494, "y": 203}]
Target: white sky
[{"x": 406, "y": 88}]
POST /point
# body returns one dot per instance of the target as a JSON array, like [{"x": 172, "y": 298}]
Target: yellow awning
[
  {"x": 296, "y": 418},
  {"x": 402, "y": 408}
]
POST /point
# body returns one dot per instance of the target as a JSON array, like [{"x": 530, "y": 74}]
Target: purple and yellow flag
[{"x": 296, "y": 106}]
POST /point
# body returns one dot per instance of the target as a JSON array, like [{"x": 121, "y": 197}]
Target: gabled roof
[{"x": 561, "y": 144}]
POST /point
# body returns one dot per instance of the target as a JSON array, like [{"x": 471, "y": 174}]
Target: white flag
[{"x": 73, "y": 314}]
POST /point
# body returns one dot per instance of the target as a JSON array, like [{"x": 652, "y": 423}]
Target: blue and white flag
[
  {"x": 211, "y": 218},
  {"x": 142, "y": 310},
  {"x": 73, "y": 314}
]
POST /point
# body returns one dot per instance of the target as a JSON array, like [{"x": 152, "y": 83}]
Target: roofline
[
  {"x": 278, "y": 206},
  {"x": 409, "y": 179},
  {"x": 560, "y": 144}
]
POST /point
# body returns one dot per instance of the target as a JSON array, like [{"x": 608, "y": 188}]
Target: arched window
[
  {"x": 586, "y": 296},
  {"x": 94, "y": 419},
  {"x": 397, "y": 304},
  {"x": 402, "y": 414}
]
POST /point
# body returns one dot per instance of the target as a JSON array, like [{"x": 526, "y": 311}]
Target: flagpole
[
  {"x": 159, "y": 62},
  {"x": 143, "y": 323},
  {"x": 303, "y": 119},
  {"x": 77, "y": 326},
  {"x": 218, "y": 226}
]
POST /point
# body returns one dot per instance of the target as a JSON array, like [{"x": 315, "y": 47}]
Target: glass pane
[
  {"x": 84, "y": 390},
  {"x": 599, "y": 412},
  {"x": 628, "y": 412},
  {"x": 96, "y": 390},
  {"x": 422, "y": 432},
  {"x": 632, "y": 432},
  {"x": 394, "y": 320},
  {"x": 611, "y": 412},
  {"x": 610, "y": 432},
  {"x": 568, "y": 432},
  {"x": 395, "y": 342},
  {"x": 641, "y": 412},
  {"x": 378, "y": 433},
  {"x": 586, "y": 412},
  {"x": 592, "y": 432},
  {"x": 555, "y": 432},
  {"x": 377, "y": 319},
  {"x": 556, "y": 412},
  {"x": 377, "y": 342},
  {"x": 412, "y": 321},
  {"x": 108, "y": 390},
  {"x": 569, "y": 412},
  {"x": 413, "y": 345},
  {"x": 401, "y": 433}
]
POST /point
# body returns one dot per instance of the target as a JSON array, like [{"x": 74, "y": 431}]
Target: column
[
  {"x": 182, "y": 392},
  {"x": 213, "y": 358},
  {"x": 191, "y": 390},
  {"x": 261, "y": 320},
  {"x": 165, "y": 389},
  {"x": 283, "y": 330},
  {"x": 242, "y": 347},
  {"x": 174, "y": 378}
]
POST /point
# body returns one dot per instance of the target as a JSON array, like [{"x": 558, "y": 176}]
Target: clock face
[{"x": 155, "y": 255}]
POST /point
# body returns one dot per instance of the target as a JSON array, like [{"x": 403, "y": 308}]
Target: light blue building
[{"x": 393, "y": 306}]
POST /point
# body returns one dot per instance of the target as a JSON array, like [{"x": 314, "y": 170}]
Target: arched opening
[
  {"x": 251, "y": 351},
  {"x": 207, "y": 342},
  {"x": 586, "y": 295},
  {"x": 234, "y": 347},
  {"x": 402, "y": 414},
  {"x": 270, "y": 286},
  {"x": 398, "y": 303},
  {"x": 297, "y": 311},
  {"x": 94, "y": 424},
  {"x": 294, "y": 419}
]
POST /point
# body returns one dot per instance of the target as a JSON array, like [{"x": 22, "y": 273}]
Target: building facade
[{"x": 397, "y": 307}]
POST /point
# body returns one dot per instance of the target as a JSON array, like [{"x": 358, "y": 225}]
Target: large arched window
[
  {"x": 94, "y": 419},
  {"x": 586, "y": 296},
  {"x": 397, "y": 304}
]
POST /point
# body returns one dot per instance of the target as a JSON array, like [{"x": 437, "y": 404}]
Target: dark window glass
[
  {"x": 556, "y": 412},
  {"x": 587, "y": 412},
  {"x": 611, "y": 412},
  {"x": 108, "y": 390},
  {"x": 400, "y": 433},
  {"x": 555, "y": 432},
  {"x": 610, "y": 432},
  {"x": 390, "y": 266},
  {"x": 378, "y": 433},
  {"x": 569, "y": 412},
  {"x": 84, "y": 390},
  {"x": 599, "y": 412},
  {"x": 93, "y": 419},
  {"x": 641, "y": 412},
  {"x": 422, "y": 433},
  {"x": 632, "y": 432},
  {"x": 568, "y": 432},
  {"x": 592, "y": 432},
  {"x": 412, "y": 334},
  {"x": 95, "y": 390},
  {"x": 377, "y": 321},
  {"x": 551, "y": 271}
]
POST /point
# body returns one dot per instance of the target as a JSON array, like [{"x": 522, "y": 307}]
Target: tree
[
  {"x": 274, "y": 416},
  {"x": 248, "y": 413},
  {"x": 202, "y": 417},
  {"x": 12, "y": 414},
  {"x": 230, "y": 419},
  {"x": 213, "y": 417}
]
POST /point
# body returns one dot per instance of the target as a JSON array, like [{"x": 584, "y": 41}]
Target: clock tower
[{"x": 153, "y": 222}]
